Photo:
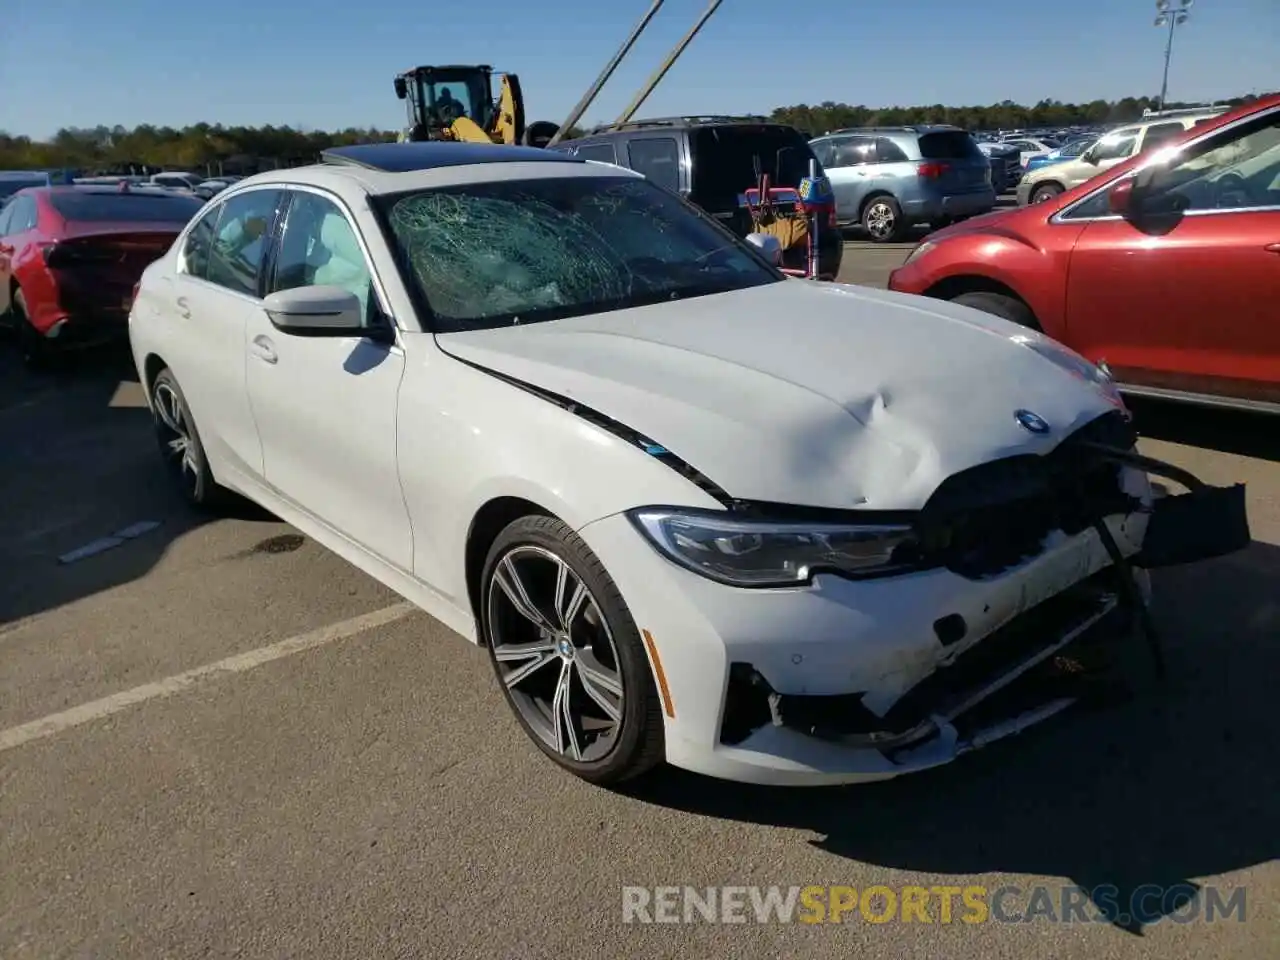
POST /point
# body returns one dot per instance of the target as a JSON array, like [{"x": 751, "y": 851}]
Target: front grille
[{"x": 984, "y": 520}]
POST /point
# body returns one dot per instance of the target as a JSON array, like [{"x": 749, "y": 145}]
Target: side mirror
[
  {"x": 770, "y": 247},
  {"x": 321, "y": 311},
  {"x": 1090, "y": 156},
  {"x": 402, "y": 88},
  {"x": 1120, "y": 200}
]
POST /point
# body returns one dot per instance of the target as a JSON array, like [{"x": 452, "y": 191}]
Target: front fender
[{"x": 467, "y": 437}]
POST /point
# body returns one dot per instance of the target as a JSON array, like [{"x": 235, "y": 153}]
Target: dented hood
[{"x": 804, "y": 393}]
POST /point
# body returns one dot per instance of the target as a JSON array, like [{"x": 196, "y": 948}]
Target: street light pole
[{"x": 1168, "y": 16}]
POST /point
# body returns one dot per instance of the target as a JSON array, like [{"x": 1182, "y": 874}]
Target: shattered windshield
[{"x": 522, "y": 251}]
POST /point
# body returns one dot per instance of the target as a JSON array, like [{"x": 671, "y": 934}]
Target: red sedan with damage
[
  {"x": 70, "y": 256},
  {"x": 1165, "y": 268}
]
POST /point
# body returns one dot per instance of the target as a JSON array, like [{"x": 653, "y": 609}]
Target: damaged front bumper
[
  {"x": 850, "y": 681},
  {"x": 1060, "y": 652}
]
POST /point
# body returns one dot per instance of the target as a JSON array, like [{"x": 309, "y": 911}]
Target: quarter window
[
  {"x": 235, "y": 257},
  {"x": 319, "y": 247},
  {"x": 658, "y": 158}
]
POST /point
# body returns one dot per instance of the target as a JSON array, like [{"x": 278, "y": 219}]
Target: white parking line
[{"x": 97, "y": 709}]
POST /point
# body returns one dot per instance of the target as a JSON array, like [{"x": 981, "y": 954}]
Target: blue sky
[{"x": 84, "y": 62}]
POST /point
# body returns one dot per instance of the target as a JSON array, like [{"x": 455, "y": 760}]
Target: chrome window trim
[{"x": 1063, "y": 215}]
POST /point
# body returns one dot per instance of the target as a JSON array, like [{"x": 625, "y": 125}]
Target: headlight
[
  {"x": 760, "y": 553},
  {"x": 1067, "y": 359},
  {"x": 920, "y": 249}
]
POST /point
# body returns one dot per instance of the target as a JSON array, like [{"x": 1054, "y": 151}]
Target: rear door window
[
  {"x": 727, "y": 161},
  {"x": 240, "y": 240},
  {"x": 658, "y": 158},
  {"x": 602, "y": 152},
  {"x": 949, "y": 145}
]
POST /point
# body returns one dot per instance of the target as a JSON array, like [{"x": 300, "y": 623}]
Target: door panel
[
  {"x": 325, "y": 407},
  {"x": 1196, "y": 309},
  {"x": 1182, "y": 294},
  {"x": 209, "y": 361}
]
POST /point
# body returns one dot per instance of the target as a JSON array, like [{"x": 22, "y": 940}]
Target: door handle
[
  {"x": 1272, "y": 248},
  {"x": 184, "y": 308},
  {"x": 263, "y": 349}
]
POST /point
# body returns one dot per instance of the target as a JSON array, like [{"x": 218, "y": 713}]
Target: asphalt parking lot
[{"x": 218, "y": 739}]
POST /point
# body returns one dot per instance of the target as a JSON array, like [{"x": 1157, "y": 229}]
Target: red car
[
  {"x": 70, "y": 256},
  {"x": 1166, "y": 267}
]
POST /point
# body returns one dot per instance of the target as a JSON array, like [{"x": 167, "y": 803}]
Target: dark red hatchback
[{"x": 70, "y": 256}]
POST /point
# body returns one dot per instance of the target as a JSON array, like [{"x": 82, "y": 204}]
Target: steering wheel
[
  {"x": 1231, "y": 190},
  {"x": 448, "y": 111}
]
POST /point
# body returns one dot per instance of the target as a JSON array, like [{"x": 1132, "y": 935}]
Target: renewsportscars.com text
[{"x": 971, "y": 904}]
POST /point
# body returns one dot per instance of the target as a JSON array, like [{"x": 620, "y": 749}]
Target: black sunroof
[{"x": 403, "y": 157}]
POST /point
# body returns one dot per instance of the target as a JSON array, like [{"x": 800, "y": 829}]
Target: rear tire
[
  {"x": 1000, "y": 305},
  {"x": 37, "y": 354},
  {"x": 180, "y": 445},
  {"x": 883, "y": 221}
]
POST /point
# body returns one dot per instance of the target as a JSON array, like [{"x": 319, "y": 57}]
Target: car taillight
[{"x": 932, "y": 170}]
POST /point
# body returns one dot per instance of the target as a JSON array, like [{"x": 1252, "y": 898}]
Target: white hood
[{"x": 803, "y": 393}]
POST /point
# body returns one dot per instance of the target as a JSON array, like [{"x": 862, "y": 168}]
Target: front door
[
  {"x": 1188, "y": 300},
  {"x": 326, "y": 406}
]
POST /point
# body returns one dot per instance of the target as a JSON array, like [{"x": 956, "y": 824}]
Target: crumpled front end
[{"x": 1026, "y": 578}]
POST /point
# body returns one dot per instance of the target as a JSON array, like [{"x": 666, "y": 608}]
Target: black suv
[{"x": 711, "y": 161}]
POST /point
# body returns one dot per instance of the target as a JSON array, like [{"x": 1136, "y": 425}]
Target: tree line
[
  {"x": 1007, "y": 115},
  {"x": 213, "y": 148}
]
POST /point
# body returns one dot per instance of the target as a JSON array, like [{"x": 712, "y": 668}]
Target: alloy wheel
[
  {"x": 555, "y": 654},
  {"x": 177, "y": 441},
  {"x": 880, "y": 220}
]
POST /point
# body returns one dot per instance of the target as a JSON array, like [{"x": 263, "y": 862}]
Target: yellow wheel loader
[{"x": 457, "y": 103}]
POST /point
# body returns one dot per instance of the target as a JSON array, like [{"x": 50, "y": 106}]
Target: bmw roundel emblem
[{"x": 1032, "y": 422}]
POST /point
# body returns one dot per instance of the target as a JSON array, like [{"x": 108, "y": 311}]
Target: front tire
[
  {"x": 180, "y": 446},
  {"x": 1010, "y": 308},
  {"x": 567, "y": 653},
  {"x": 1045, "y": 192}
]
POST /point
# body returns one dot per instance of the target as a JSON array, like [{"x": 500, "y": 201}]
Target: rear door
[
  {"x": 217, "y": 290},
  {"x": 1189, "y": 302}
]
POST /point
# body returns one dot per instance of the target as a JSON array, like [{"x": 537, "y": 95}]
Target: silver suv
[{"x": 890, "y": 178}]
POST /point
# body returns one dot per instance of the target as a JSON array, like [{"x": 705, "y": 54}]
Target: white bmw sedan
[{"x": 763, "y": 528}]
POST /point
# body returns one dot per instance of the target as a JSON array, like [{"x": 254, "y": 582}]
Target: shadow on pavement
[
  {"x": 1227, "y": 431},
  {"x": 78, "y": 462},
  {"x": 1181, "y": 781}
]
